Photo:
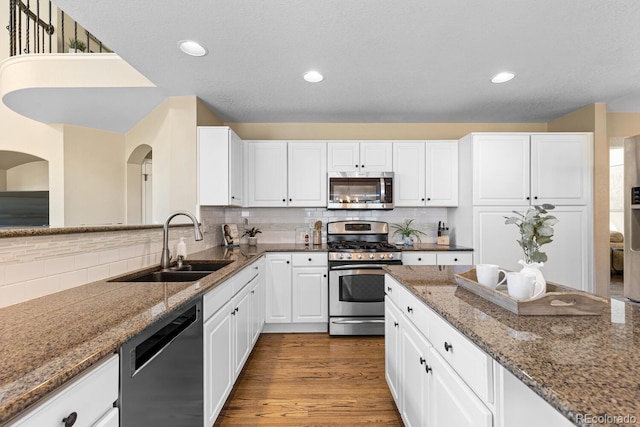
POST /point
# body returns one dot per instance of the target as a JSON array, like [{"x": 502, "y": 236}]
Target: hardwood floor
[{"x": 312, "y": 380}]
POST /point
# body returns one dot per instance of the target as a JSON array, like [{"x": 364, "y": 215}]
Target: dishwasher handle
[{"x": 148, "y": 349}]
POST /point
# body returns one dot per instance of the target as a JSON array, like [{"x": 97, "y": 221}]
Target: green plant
[
  {"x": 536, "y": 229},
  {"x": 406, "y": 230},
  {"x": 77, "y": 44},
  {"x": 251, "y": 232}
]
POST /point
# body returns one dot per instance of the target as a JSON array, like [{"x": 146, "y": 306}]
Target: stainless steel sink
[{"x": 189, "y": 272}]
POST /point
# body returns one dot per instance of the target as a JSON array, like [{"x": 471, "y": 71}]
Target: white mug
[
  {"x": 489, "y": 275},
  {"x": 523, "y": 285}
]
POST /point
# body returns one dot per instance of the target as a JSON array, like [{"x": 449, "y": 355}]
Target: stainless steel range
[{"x": 357, "y": 252}]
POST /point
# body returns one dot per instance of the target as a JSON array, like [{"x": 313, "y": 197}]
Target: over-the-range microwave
[{"x": 360, "y": 190}]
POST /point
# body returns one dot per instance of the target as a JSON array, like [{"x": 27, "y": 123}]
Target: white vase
[
  {"x": 408, "y": 241},
  {"x": 534, "y": 268},
  {"x": 253, "y": 241}
]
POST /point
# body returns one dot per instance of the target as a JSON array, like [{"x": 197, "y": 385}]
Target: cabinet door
[
  {"x": 236, "y": 169},
  {"x": 441, "y": 188},
  {"x": 213, "y": 166},
  {"x": 452, "y": 403},
  {"x": 218, "y": 362},
  {"x": 257, "y": 304},
  {"x": 392, "y": 318},
  {"x": 307, "y": 175},
  {"x": 495, "y": 242},
  {"x": 241, "y": 316},
  {"x": 501, "y": 169},
  {"x": 376, "y": 156},
  {"x": 413, "y": 371},
  {"x": 560, "y": 169},
  {"x": 111, "y": 419},
  {"x": 267, "y": 173},
  {"x": 310, "y": 295},
  {"x": 278, "y": 292},
  {"x": 409, "y": 173},
  {"x": 343, "y": 156}
]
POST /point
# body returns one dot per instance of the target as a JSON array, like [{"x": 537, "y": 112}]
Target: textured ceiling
[{"x": 383, "y": 60}]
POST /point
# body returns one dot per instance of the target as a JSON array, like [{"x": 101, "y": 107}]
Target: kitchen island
[{"x": 586, "y": 367}]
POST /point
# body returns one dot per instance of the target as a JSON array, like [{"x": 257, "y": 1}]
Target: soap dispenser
[{"x": 181, "y": 249}]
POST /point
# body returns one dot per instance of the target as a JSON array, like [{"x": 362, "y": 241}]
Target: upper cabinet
[
  {"x": 353, "y": 156},
  {"x": 220, "y": 167},
  {"x": 425, "y": 173},
  {"x": 282, "y": 173},
  {"x": 524, "y": 169}
]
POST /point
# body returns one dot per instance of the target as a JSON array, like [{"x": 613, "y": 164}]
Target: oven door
[{"x": 356, "y": 290}]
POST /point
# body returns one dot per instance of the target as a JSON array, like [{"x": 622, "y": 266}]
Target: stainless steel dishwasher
[{"x": 161, "y": 373}]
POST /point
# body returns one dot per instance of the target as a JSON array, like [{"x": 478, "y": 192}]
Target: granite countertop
[
  {"x": 434, "y": 247},
  {"x": 578, "y": 364},
  {"x": 49, "y": 340}
]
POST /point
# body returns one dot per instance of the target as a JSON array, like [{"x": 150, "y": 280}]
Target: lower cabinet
[
  {"x": 437, "y": 258},
  {"x": 89, "y": 399},
  {"x": 297, "y": 292},
  {"x": 229, "y": 335}
]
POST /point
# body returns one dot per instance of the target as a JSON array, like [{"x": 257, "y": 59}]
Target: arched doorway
[
  {"x": 24, "y": 190},
  {"x": 139, "y": 185}
]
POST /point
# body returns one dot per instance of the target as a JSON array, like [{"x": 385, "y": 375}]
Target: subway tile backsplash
[{"x": 31, "y": 267}]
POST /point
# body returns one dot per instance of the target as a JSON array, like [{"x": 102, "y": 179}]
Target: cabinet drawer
[
  {"x": 415, "y": 310},
  {"x": 473, "y": 365},
  {"x": 392, "y": 289},
  {"x": 216, "y": 298},
  {"x": 455, "y": 258},
  {"x": 419, "y": 258},
  {"x": 90, "y": 396},
  {"x": 318, "y": 259},
  {"x": 244, "y": 276}
]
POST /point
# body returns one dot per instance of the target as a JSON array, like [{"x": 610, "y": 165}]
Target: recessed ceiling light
[
  {"x": 502, "y": 77},
  {"x": 313, "y": 77},
  {"x": 192, "y": 48}
]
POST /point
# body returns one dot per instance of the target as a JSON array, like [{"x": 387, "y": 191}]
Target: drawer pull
[
  {"x": 389, "y": 289},
  {"x": 428, "y": 369},
  {"x": 310, "y": 259},
  {"x": 448, "y": 346},
  {"x": 409, "y": 310},
  {"x": 70, "y": 419},
  {"x": 423, "y": 361},
  {"x": 395, "y": 324},
  {"x": 419, "y": 259}
]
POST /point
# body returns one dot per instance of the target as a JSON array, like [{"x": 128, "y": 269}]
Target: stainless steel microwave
[{"x": 360, "y": 190}]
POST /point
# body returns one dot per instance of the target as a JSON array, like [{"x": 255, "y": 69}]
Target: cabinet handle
[
  {"x": 362, "y": 166},
  {"x": 427, "y": 368},
  {"x": 395, "y": 324},
  {"x": 455, "y": 259},
  {"x": 357, "y": 166},
  {"x": 253, "y": 291},
  {"x": 419, "y": 259},
  {"x": 70, "y": 419},
  {"x": 536, "y": 197},
  {"x": 428, "y": 199},
  {"x": 237, "y": 309},
  {"x": 448, "y": 346},
  {"x": 309, "y": 259},
  {"x": 528, "y": 198},
  {"x": 422, "y": 199},
  {"x": 288, "y": 262},
  {"x": 389, "y": 289},
  {"x": 409, "y": 309},
  {"x": 290, "y": 200},
  {"x": 233, "y": 197},
  {"x": 423, "y": 360},
  {"x": 325, "y": 275},
  {"x": 284, "y": 200},
  {"x": 233, "y": 312}
]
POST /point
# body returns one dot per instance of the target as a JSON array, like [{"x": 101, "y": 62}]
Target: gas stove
[{"x": 361, "y": 241}]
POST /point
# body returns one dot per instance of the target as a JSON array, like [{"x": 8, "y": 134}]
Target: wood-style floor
[{"x": 312, "y": 380}]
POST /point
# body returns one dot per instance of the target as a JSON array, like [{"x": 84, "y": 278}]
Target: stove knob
[
  {"x": 390, "y": 256},
  {"x": 371, "y": 256},
  {"x": 381, "y": 256},
  {"x": 349, "y": 256},
  {"x": 341, "y": 256},
  {"x": 359, "y": 256}
]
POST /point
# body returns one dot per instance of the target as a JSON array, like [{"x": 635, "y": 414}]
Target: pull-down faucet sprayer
[{"x": 166, "y": 254}]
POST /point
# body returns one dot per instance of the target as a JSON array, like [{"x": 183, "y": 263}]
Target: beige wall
[
  {"x": 205, "y": 117},
  {"x": 375, "y": 130},
  {"x": 94, "y": 176},
  {"x": 32, "y": 176},
  {"x": 593, "y": 118},
  {"x": 623, "y": 125},
  {"x": 3, "y": 179}
]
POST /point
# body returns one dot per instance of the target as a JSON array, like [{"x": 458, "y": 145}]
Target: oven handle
[
  {"x": 358, "y": 266},
  {"x": 347, "y": 322}
]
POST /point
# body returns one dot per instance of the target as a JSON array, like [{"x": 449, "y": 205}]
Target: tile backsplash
[{"x": 31, "y": 267}]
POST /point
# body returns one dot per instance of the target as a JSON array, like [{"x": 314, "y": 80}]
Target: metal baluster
[
  {"x": 87, "y": 33},
  {"x": 50, "y": 26},
  {"x": 75, "y": 34},
  {"x": 19, "y": 32},
  {"x": 37, "y": 28},
  {"x": 26, "y": 48},
  {"x": 62, "y": 30},
  {"x": 12, "y": 27}
]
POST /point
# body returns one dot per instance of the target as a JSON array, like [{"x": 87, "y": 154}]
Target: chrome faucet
[{"x": 166, "y": 254}]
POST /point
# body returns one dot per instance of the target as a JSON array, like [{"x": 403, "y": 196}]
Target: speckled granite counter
[
  {"x": 48, "y": 341},
  {"x": 578, "y": 364},
  {"x": 428, "y": 247}
]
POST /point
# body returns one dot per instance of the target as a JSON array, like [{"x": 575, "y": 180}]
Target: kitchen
[{"x": 115, "y": 240}]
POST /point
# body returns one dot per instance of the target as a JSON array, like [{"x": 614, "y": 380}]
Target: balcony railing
[{"x": 32, "y": 30}]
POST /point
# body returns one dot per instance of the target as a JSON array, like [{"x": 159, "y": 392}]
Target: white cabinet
[
  {"x": 282, "y": 173},
  {"x": 428, "y": 389},
  {"x": 297, "y": 288},
  {"x": 437, "y": 258},
  {"x": 524, "y": 169},
  {"x": 267, "y": 173},
  {"x": 569, "y": 253},
  {"x": 220, "y": 167},
  {"x": 278, "y": 291},
  {"x": 89, "y": 398},
  {"x": 307, "y": 174},
  {"x": 233, "y": 318},
  {"x": 425, "y": 173},
  {"x": 365, "y": 156}
]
